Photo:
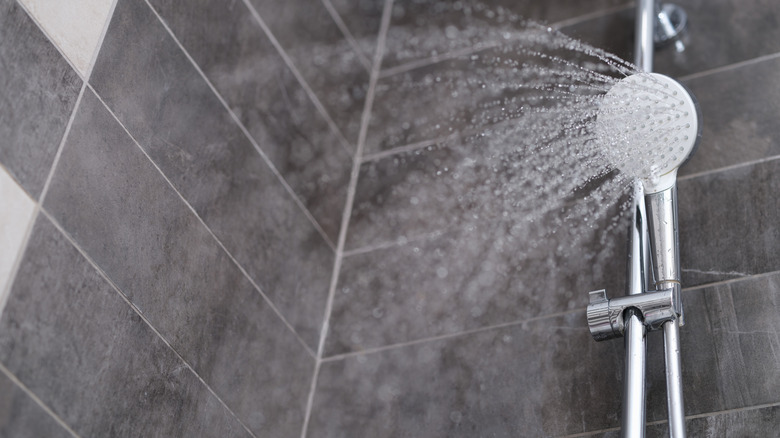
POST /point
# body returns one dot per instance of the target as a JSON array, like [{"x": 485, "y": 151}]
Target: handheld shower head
[{"x": 649, "y": 125}]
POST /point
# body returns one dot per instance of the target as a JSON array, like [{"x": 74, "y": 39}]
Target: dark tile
[
  {"x": 420, "y": 29},
  {"x": 548, "y": 377},
  {"x": 544, "y": 378},
  {"x": 237, "y": 57},
  {"x": 728, "y": 223},
  {"x": 468, "y": 278},
  {"x": 740, "y": 110},
  {"x": 39, "y": 91},
  {"x": 109, "y": 197},
  {"x": 363, "y": 19},
  {"x": 320, "y": 51},
  {"x": 21, "y": 417},
  {"x": 168, "y": 108},
  {"x": 719, "y": 34},
  {"x": 71, "y": 339}
]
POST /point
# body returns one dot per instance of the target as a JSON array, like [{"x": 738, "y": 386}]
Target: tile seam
[
  {"x": 591, "y": 16},
  {"x": 312, "y": 96},
  {"x": 687, "y": 417},
  {"x": 704, "y": 173},
  {"x": 246, "y": 132},
  {"x": 516, "y": 322},
  {"x": 200, "y": 220},
  {"x": 365, "y": 117},
  {"x": 15, "y": 380},
  {"x": 729, "y": 67},
  {"x": 138, "y": 312},
  {"x": 347, "y": 34}
]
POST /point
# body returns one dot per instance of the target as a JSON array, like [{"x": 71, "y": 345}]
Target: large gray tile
[
  {"x": 109, "y": 197},
  {"x": 538, "y": 379},
  {"x": 728, "y": 223},
  {"x": 720, "y": 33},
  {"x": 468, "y": 278},
  {"x": 420, "y": 29},
  {"x": 740, "y": 109},
  {"x": 321, "y": 52},
  {"x": 548, "y": 377},
  {"x": 239, "y": 59},
  {"x": 38, "y": 90},
  {"x": 747, "y": 423},
  {"x": 22, "y": 417},
  {"x": 168, "y": 108},
  {"x": 70, "y": 338}
]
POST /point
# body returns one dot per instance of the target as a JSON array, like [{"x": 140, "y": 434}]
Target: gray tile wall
[
  {"x": 175, "y": 282},
  {"x": 179, "y": 274}
]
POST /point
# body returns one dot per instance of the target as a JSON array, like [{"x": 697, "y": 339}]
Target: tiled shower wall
[{"x": 179, "y": 212}]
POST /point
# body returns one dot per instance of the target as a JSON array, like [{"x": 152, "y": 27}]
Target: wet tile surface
[
  {"x": 39, "y": 91},
  {"x": 21, "y": 417},
  {"x": 169, "y": 109},
  {"x": 109, "y": 197},
  {"x": 719, "y": 34},
  {"x": 422, "y": 29},
  {"x": 320, "y": 51},
  {"x": 728, "y": 223},
  {"x": 519, "y": 379},
  {"x": 464, "y": 279},
  {"x": 239, "y": 59},
  {"x": 740, "y": 110},
  {"x": 70, "y": 338}
]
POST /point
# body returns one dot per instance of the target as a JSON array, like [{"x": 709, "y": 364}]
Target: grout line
[
  {"x": 729, "y": 67},
  {"x": 347, "y": 34},
  {"x": 35, "y": 398},
  {"x": 450, "y": 335},
  {"x": 344, "y": 142},
  {"x": 515, "y": 323},
  {"x": 93, "y": 60},
  {"x": 402, "y": 242},
  {"x": 246, "y": 132},
  {"x": 211, "y": 233},
  {"x": 731, "y": 281},
  {"x": 376, "y": 156},
  {"x": 687, "y": 417},
  {"x": 727, "y": 168},
  {"x": 591, "y": 15},
  {"x": 419, "y": 63},
  {"x": 365, "y": 118},
  {"x": 139, "y": 313}
]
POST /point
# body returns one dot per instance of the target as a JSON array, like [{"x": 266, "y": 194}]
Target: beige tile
[
  {"x": 16, "y": 212},
  {"x": 74, "y": 26}
]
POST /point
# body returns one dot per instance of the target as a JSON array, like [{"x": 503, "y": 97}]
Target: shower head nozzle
[{"x": 649, "y": 124}]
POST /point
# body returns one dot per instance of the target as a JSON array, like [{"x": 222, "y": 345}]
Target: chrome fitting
[{"x": 606, "y": 316}]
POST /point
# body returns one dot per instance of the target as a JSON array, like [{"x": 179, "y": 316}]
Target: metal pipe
[
  {"x": 674, "y": 392},
  {"x": 645, "y": 29},
  {"x": 633, "y": 419}
]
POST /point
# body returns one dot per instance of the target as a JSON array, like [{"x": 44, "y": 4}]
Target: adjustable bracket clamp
[{"x": 606, "y": 316}]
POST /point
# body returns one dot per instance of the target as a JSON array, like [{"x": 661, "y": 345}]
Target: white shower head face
[{"x": 648, "y": 125}]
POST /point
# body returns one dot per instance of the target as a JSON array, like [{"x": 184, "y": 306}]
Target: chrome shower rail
[{"x": 653, "y": 297}]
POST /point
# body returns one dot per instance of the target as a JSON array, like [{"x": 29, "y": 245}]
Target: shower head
[{"x": 649, "y": 125}]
